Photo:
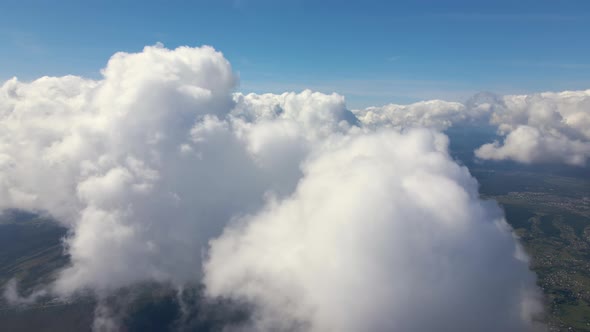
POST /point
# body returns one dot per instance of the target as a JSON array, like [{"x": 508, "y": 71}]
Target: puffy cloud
[
  {"x": 318, "y": 114},
  {"x": 539, "y": 128},
  {"x": 385, "y": 232},
  {"x": 528, "y": 144},
  {"x": 150, "y": 162},
  {"x": 142, "y": 164},
  {"x": 280, "y": 130},
  {"x": 436, "y": 114},
  {"x": 149, "y": 165},
  {"x": 545, "y": 127}
]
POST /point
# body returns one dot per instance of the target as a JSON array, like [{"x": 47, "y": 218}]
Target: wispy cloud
[
  {"x": 24, "y": 40},
  {"x": 466, "y": 16},
  {"x": 551, "y": 64}
]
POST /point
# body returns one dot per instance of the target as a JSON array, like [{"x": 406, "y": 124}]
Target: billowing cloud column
[
  {"x": 385, "y": 232},
  {"x": 139, "y": 165}
]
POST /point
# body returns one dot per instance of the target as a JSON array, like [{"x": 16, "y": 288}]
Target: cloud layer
[
  {"x": 321, "y": 218},
  {"x": 539, "y": 128}
]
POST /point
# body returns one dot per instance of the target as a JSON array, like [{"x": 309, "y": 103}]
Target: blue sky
[{"x": 373, "y": 52}]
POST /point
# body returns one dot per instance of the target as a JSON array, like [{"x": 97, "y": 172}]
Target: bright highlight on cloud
[{"x": 321, "y": 218}]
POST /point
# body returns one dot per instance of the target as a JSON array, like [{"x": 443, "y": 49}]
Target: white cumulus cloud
[
  {"x": 384, "y": 233},
  {"x": 545, "y": 127},
  {"x": 437, "y": 114},
  {"x": 321, "y": 218}
]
